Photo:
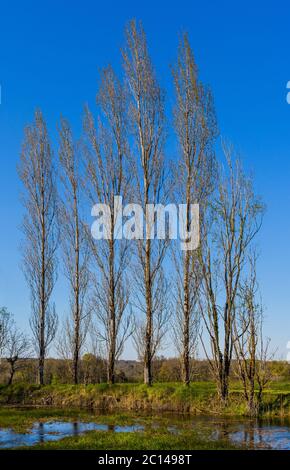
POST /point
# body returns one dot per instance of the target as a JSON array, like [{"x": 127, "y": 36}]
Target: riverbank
[{"x": 198, "y": 398}]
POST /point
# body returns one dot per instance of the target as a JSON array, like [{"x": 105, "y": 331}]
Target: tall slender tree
[
  {"x": 196, "y": 129},
  {"x": 74, "y": 244},
  {"x": 41, "y": 235},
  {"x": 251, "y": 348},
  {"x": 235, "y": 219},
  {"x": 146, "y": 114},
  {"x": 108, "y": 176}
]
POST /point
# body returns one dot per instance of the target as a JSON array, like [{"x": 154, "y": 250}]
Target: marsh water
[
  {"x": 257, "y": 434},
  {"x": 54, "y": 431}
]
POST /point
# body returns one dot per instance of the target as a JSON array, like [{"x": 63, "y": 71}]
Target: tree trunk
[
  {"x": 148, "y": 334},
  {"x": 186, "y": 300},
  {"x": 112, "y": 349},
  {"x": 223, "y": 385},
  {"x": 76, "y": 365},
  {"x": 42, "y": 342},
  {"x": 111, "y": 367},
  {"x": 43, "y": 290},
  {"x": 77, "y": 293},
  {"x": 12, "y": 372},
  {"x": 186, "y": 321},
  {"x": 112, "y": 310},
  {"x": 41, "y": 370}
]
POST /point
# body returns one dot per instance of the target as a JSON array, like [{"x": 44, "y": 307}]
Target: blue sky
[{"x": 50, "y": 53}]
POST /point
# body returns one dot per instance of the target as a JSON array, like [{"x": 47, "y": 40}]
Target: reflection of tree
[
  {"x": 260, "y": 434},
  {"x": 76, "y": 430},
  {"x": 41, "y": 432},
  {"x": 249, "y": 434}
]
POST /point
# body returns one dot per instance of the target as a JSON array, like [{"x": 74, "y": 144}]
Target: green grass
[
  {"x": 198, "y": 398},
  {"x": 153, "y": 440}
]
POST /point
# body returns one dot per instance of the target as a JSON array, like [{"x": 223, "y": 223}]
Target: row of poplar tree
[{"x": 147, "y": 289}]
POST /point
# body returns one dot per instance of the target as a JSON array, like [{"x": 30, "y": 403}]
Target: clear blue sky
[{"x": 50, "y": 52}]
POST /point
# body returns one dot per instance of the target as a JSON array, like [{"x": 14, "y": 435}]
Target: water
[
  {"x": 254, "y": 434},
  {"x": 54, "y": 431}
]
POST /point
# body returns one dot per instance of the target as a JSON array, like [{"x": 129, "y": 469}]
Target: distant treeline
[{"x": 93, "y": 370}]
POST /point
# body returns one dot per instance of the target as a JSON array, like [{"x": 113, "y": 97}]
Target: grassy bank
[{"x": 198, "y": 398}]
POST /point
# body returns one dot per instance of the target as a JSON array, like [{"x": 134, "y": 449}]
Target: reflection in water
[
  {"x": 251, "y": 433},
  {"x": 75, "y": 429},
  {"x": 41, "y": 432},
  {"x": 256, "y": 434},
  {"x": 54, "y": 431}
]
